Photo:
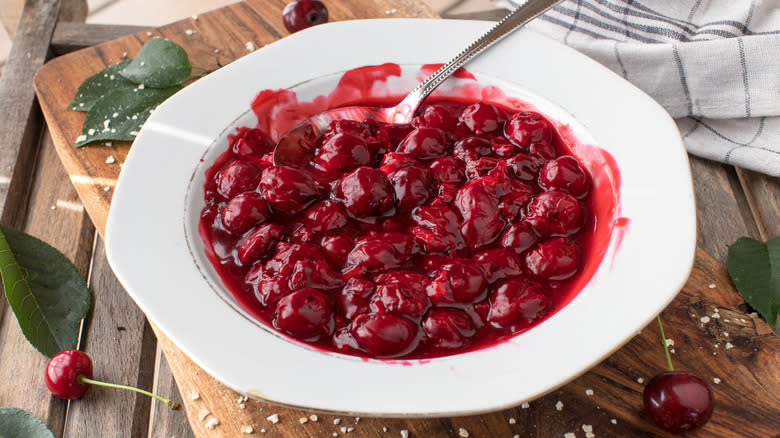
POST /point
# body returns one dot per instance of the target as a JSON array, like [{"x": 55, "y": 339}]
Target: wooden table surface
[{"x": 38, "y": 198}]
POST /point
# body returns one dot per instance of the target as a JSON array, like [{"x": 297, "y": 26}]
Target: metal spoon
[{"x": 295, "y": 147}]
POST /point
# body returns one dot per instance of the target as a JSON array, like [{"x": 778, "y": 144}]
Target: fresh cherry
[
  {"x": 678, "y": 401},
  {"x": 69, "y": 374},
  {"x": 301, "y": 14}
]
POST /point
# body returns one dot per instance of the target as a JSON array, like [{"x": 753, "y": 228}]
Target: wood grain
[{"x": 746, "y": 397}]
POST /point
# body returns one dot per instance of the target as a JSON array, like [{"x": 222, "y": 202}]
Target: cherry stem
[
  {"x": 175, "y": 406},
  {"x": 663, "y": 342}
]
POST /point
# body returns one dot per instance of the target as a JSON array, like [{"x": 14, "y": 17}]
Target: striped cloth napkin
[{"x": 713, "y": 64}]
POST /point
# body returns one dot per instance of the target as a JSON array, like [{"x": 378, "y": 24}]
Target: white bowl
[{"x": 153, "y": 245}]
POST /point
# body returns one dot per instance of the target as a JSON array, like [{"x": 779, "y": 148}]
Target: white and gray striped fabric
[{"x": 713, "y": 64}]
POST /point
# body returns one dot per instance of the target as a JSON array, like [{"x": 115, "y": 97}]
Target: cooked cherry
[
  {"x": 365, "y": 192},
  {"x": 544, "y": 150},
  {"x": 481, "y": 231},
  {"x": 481, "y": 117},
  {"x": 326, "y": 216},
  {"x": 335, "y": 248},
  {"x": 471, "y": 148},
  {"x": 237, "y": 177},
  {"x": 515, "y": 304},
  {"x": 287, "y": 254},
  {"x": 315, "y": 274},
  {"x": 412, "y": 186},
  {"x": 565, "y": 173},
  {"x": 402, "y": 242},
  {"x": 678, "y": 401},
  {"x": 502, "y": 148},
  {"x": 385, "y": 335},
  {"x": 448, "y": 170},
  {"x": 499, "y": 263},
  {"x": 251, "y": 143},
  {"x": 301, "y": 14},
  {"x": 268, "y": 288},
  {"x": 480, "y": 167},
  {"x": 477, "y": 199},
  {"x": 436, "y": 228},
  {"x": 436, "y": 116},
  {"x": 526, "y": 127},
  {"x": 371, "y": 256},
  {"x": 354, "y": 297},
  {"x": 519, "y": 237},
  {"x": 525, "y": 167},
  {"x": 554, "y": 259},
  {"x": 555, "y": 213},
  {"x": 401, "y": 292},
  {"x": 258, "y": 243},
  {"x": 460, "y": 280},
  {"x": 244, "y": 211},
  {"x": 448, "y": 327},
  {"x": 341, "y": 153},
  {"x": 512, "y": 203},
  {"x": 425, "y": 143},
  {"x": 306, "y": 314},
  {"x": 287, "y": 189},
  {"x": 393, "y": 161}
]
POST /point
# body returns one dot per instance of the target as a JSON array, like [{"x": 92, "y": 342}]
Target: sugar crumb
[
  {"x": 273, "y": 418},
  {"x": 640, "y": 380},
  {"x": 525, "y": 405},
  {"x": 203, "y": 414},
  {"x": 512, "y": 421},
  {"x": 313, "y": 418},
  {"x": 336, "y": 421},
  {"x": 212, "y": 423},
  {"x": 559, "y": 405},
  {"x": 404, "y": 433},
  {"x": 704, "y": 319},
  {"x": 250, "y": 46},
  {"x": 303, "y": 420},
  {"x": 729, "y": 345},
  {"x": 111, "y": 160},
  {"x": 613, "y": 421},
  {"x": 589, "y": 392},
  {"x": 569, "y": 435},
  {"x": 716, "y": 380},
  {"x": 711, "y": 286},
  {"x": 247, "y": 429},
  {"x": 463, "y": 433}
]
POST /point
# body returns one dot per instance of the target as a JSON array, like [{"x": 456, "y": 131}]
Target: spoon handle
[{"x": 515, "y": 19}]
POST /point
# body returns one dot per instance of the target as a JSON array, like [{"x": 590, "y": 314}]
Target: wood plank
[
  {"x": 164, "y": 421},
  {"x": 67, "y": 228},
  {"x": 69, "y": 37},
  {"x": 764, "y": 201},
  {"x": 122, "y": 347}
]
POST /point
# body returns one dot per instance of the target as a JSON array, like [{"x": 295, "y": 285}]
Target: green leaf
[
  {"x": 44, "y": 289},
  {"x": 100, "y": 84},
  {"x": 120, "y": 114},
  {"x": 159, "y": 64},
  {"x": 755, "y": 268},
  {"x": 18, "y": 423}
]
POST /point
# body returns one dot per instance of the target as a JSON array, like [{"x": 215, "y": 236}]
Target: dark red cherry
[
  {"x": 436, "y": 228},
  {"x": 448, "y": 327},
  {"x": 315, "y": 274},
  {"x": 393, "y": 161},
  {"x": 499, "y": 263},
  {"x": 519, "y": 236},
  {"x": 288, "y": 189},
  {"x": 341, "y": 153},
  {"x": 401, "y": 292},
  {"x": 436, "y": 116},
  {"x": 526, "y": 127},
  {"x": 371, "y": 256},
  {"x": 544, "y": 150},
  {"x": 267, "y": 287},
  {"x": 385, "y": 335},
  {"x": 251, "y": 143},
  {"x": 237, "y": 177},
  {"x": 412, "y": 187},
  {"x": 365, "y": 192},
  {"x": 516, "y": 304},
  {"x": 448, "y": 170},
  {"x": 471, "y": 148},
  {"x": 564, "y": 173},
  {"x": 555, "y": 213},
  {"x": 258, "y": 243},
  {"x": 525, "y": 166},
  {"x": 461, "y": 280},
  {"x": 287, "y": 254},
  {"x": 62, "y": 373},
  {"x": 480, "y": 117},
  {"x": 481, "y": 231},
  {"x": 335, "y": 248},
  {"x": 244, "y": 211},
  {"x": 301, "y": 14},
  {"x": 324, "y": 216},
  {"x": 425, "y": 143},
  {"x": 678, "y": 401},
  {"x": 554, "y": 259},
  {"x": 354, "y": 297},
  {"x": 306, "y": 314}
]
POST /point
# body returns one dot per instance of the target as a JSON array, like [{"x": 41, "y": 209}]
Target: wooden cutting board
[{"x": 738, "y": 353}]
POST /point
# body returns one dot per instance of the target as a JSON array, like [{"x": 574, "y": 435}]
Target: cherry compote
[{"x": 419, "y": 240}]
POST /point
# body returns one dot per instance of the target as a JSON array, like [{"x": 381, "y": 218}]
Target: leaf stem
[
  {"x": 199, "y": 68},
  {"x": 82, "y": 379},
  {"x": 663, "y": 342}
]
